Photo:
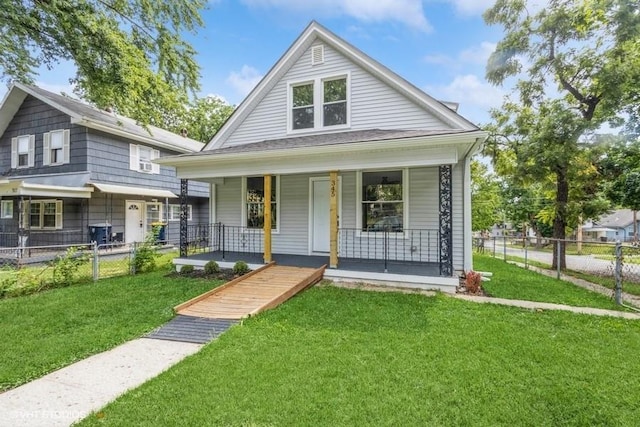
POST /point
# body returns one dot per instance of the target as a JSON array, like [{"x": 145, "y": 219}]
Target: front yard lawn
[
  {"x": 45, "y": 331},
  {"x": 513, "y": 282},
  {"x": 333, "y": 357}
]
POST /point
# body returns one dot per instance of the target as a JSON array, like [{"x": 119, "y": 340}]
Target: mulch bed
[{"x": 225, "y": 274}]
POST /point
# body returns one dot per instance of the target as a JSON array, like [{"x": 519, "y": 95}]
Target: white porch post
[{"x": 468, "y": 236}]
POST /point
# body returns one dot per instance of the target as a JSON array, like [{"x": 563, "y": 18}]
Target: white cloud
[
  {"x": 478, "y": 54},
  {"x": 245, "y": 80},
  {"x": 474, "y": 95},
  {"x": 472, "y": 7},
  {"x": 407, "y": 12}
]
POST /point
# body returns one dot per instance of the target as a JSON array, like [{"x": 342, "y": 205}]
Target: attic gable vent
[{"x": 317, "y": 54}]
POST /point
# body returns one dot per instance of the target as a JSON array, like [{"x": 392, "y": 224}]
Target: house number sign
[{"x": 333, "y": 189}]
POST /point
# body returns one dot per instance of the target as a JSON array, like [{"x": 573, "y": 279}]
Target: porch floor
[{"x": 317, "y": 261}]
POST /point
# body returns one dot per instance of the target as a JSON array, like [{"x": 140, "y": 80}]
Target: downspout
[{"x": 466, "y": 205}]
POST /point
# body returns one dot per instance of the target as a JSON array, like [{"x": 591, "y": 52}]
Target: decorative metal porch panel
[
  {"x": 184, "y": 215},
  {"x": 446, "y": 221}
]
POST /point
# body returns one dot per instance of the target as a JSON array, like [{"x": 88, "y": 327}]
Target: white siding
[
  {"x": 374, "y": 105},
  {"x": 293, "y": 235}
]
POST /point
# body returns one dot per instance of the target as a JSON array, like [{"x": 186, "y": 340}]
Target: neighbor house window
[
  {"x": 174, "y": 213},
  {"x": 6, "y": 209},
  {"x": 55, "y": 147},
  {"x": 382, "y": 201},
  {"x": 319, "y": 104},
  {"x": 141, "y": 159},
  {"x": 254, "y": 202},
  {"x": 154, "y": 214},
  {"x": 45, "y": 214},
  {"x": 334, "y": 108},
  {"x": 23, "y": 151},
  {"x": 303, "y": 110}
]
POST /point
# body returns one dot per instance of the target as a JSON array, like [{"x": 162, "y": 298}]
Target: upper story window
[
  {"x": 302, "y": 113},
  {"x": 334, "y": 108},
  {"x": 23, "y": 151},
  {"x": 321, "y": 103},
  {"x": 55, "y": 147},
  {"x": 141, "y": 157}
]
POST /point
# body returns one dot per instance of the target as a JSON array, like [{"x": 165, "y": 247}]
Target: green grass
[
  {"x": 513, "y": 282},
  {"x": 45, "y": 331},
  {"x": 606, "y": 281},
  {"x": 334, "y": 357}
]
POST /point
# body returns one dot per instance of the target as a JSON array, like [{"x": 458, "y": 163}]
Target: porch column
[
  {"x": 333, "y": 219},
  {"x": 267, "y": 218},
  {"x": 184, "y": 216},
  {"x": 446, "y": 221}
]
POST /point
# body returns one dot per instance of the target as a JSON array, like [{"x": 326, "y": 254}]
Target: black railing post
[
  {"x": 386, "y": 248},
  {"x": 184, "y": 231}
]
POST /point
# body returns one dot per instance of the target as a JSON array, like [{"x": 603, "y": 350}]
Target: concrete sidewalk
[
  {"x": 533, "y": 305},
  {"x": 70, "y": 394}
]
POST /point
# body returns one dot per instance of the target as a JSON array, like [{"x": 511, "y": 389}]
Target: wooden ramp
[{"x": 252, "y": 293}]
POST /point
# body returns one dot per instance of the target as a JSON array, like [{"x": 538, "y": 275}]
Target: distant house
[
  {"x": 66, "y": 167},
  {"x": 617, "y": 225},
  {"x": 356, "y": 168}
]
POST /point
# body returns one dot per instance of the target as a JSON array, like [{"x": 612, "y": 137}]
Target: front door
[
  {"x": 134, "y": 222},
  {"x": 320, "y": 221}
]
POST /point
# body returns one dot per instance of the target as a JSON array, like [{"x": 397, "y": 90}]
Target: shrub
[
  {"x": 240, "y": 268},
  {"x": 211, "y": 267},
  {"x": 187, "y": 269},
  {"x": 66, "y": 267},
  {"x": 144, "y": 258},
  {"x": 473, "y": 282}
]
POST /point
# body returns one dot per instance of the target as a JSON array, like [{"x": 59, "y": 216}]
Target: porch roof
[
  {"x": 25, "y": 188},
  {"x": 349, "y": 150},
  {"x": 134, "y": 191}
]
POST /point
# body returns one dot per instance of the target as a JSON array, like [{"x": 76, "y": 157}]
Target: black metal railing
[
  {"x": 224, "y": 238},
  {"x": 406, "y": 245}
]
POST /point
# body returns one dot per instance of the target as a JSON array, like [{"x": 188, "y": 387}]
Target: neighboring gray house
[
  {"x": 66, "y": 166},
  {"x": 367, "y": 172},
  {"x": 617, "y": 225}
]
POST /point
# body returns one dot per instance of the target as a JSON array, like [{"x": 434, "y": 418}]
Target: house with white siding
[{"x": 334, "y": 159}]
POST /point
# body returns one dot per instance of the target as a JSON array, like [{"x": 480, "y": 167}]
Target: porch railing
[
  {"x": 406, "y": 245},
  {"x": 224, "y": 238}
]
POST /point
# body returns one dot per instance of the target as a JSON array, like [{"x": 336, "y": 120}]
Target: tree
[
  {"x": 586, "y": 52},
  {"x": 486, "y": 202},
  {"x": 129, "y": 54},
  {"x": 204, "y": 117}
]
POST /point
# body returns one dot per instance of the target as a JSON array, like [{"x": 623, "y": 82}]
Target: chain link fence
[
  {"x": 25, "y": 270},
  {"x": 614, "y": 265}
]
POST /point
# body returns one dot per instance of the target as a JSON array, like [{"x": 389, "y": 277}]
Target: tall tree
[
  {"x": 129, "y": 54},
  {"x": 486, "y": 201},
  {"x": 578, "y": 64},
  {"x": 204, "y": 117}
]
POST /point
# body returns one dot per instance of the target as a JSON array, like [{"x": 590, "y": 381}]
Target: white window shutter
[
  {"x": 66, "y": 146},
  {"x": 133, "y": 157},
  {"x": 32, "y": 151},
  {"x": 14, "y": 153},
  {"x": 58, "y": 214},
  {"x": 46, "y": 149},
  {"x": 155, "y": 168}
]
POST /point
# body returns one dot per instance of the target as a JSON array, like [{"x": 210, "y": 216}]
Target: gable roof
[
  {"x": 620, "y": 218},
  {"x": 316, "y": 31},
  {"x": 86, "y": 115}
]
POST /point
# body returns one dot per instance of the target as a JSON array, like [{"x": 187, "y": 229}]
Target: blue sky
[{"x": 440, "y": 46}]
